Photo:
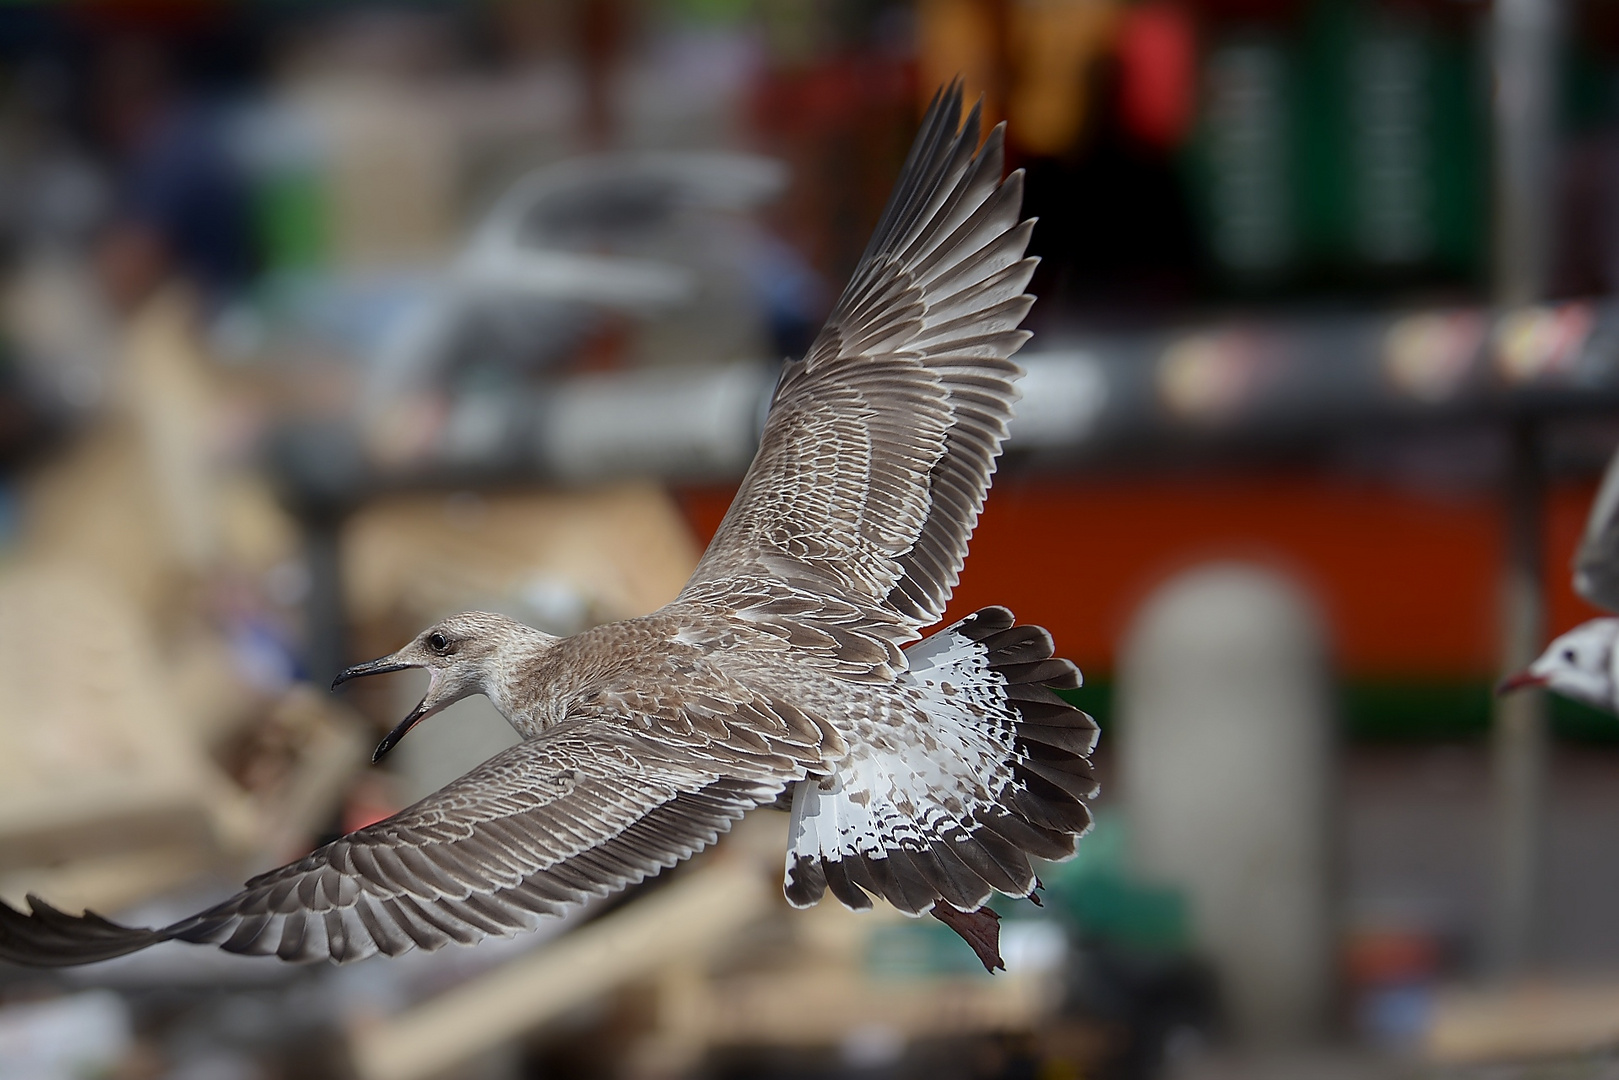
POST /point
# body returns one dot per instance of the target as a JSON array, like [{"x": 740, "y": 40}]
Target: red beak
[{"x": 1520, "y": 681}]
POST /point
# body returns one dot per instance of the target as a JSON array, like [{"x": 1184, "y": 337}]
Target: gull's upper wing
[
  {"x": 1596, "y": 564},
  {"x": 582, "y": 811},
  {"x": 850, "y": 528}
]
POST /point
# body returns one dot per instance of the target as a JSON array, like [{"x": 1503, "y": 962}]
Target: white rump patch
[{"x": 936, "y": 762}]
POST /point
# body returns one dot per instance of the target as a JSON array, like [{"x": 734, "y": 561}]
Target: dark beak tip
[
  {"x": 370, "y": 667},
  {"x": 389, "y": 741},
  {"x": 1521, "y": 681},
  {"x": 394, "y": 737},
  {"x": 346, "y": 674}
]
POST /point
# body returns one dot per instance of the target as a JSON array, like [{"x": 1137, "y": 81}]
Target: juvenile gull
[
  {"x": 924, "y": 772},
  {"x": 1583, "y": 664}
]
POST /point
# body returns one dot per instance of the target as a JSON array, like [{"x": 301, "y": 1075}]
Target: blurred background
[{"x": 321, "y": 320}]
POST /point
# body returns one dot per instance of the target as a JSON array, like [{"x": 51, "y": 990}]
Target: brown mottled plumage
[{"x": 923, "y": 772}]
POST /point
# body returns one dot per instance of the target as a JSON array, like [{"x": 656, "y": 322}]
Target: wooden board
[
  {"x": 1532, "y": 1020},
  {"x": 689, "y": 916}
]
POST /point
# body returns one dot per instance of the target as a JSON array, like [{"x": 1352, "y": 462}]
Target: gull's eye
[
  {"x": 438, "y": 642},
  {"x": 1569, "y": 656}
]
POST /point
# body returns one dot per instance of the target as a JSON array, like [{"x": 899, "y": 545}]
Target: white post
[
  {"x": 1226, "y": 765},
  {"x": 1525, "y": 41}
]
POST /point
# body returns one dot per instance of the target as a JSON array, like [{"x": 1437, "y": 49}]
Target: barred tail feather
[{"x": 1001, "y": 774}]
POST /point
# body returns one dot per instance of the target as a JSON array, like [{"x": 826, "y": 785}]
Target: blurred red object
[
  {"x": 843, "y": 127},
  {"x": 1157, "y": 50},
  {"x": 1389, "y": 957},
  {"x": 370, "y": 800},
  {"x": 1410, "y": 580}
]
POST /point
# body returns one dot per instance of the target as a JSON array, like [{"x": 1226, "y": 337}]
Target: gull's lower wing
[
  {"x": 850, "y": 528},
  {"x": 1596, "y": 564},
  {"x": 582, "y": 811}
]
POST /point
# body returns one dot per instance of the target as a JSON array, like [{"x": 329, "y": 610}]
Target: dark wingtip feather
[
  {"x": 45, "y": 936},
  {"x": 986, "y": 621}
]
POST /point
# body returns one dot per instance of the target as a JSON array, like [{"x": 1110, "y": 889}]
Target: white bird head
[
  {"x": 1578, "y": 665},
  {"x": 475, "y": 652}
]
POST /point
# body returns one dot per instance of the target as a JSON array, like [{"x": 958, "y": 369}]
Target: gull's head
[
  {"x": 475, "y": 652},
  {"x": 1578, "y": 665}
]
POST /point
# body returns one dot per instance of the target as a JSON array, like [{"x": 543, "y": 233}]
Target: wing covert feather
[{"x": 853, "y": 521}]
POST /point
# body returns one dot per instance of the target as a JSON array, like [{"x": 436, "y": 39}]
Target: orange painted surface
[{"x": 1408, "y": 581}]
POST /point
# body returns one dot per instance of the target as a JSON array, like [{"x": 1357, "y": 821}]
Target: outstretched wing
[
  {"x": 850, "y": 528},
  {"x": 582, "y": 811},
  {"x": 1596, "y": 564}
]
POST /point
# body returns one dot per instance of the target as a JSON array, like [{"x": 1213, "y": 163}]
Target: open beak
[
  {"x": 370, "y": 667},
  {"x": 1522, "y": 680},
  {"x": 391, "y": 740},
  {"x": 383, "y": 667}
]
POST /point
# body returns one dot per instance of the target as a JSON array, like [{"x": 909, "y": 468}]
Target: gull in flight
[
  {"x": 791, "y": 670},
  {"x": 1581, "y": 663}
]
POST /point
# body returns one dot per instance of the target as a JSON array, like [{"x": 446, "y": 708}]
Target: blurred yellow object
[
  {"x": 107, "y": 792},
  {"x": 1030, "y": 60},
  {"x": 1054, "y": 44},
  {"x": 1539, "y": 1019},
  {"x": 1535, "y": 342},
  {"x": 698, "y": 912},
  {"x": 613, "y": 553},
  {"x": 143, "y": 497},
  {"x": 299, "y": 760},
  {"x": 726, "y": 963},
  {"x": 116, "y": 688},
  {"x": 792, "y": 1007},
  {"x": 112, "y": 881},
  {"x": 93, "y": 760},
  {"x": 1430, "y": 356},
  {"x": 393, "y": 179},
  {"x": 1209, "y": 376},
  {"x": 961, "y": 39}
]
